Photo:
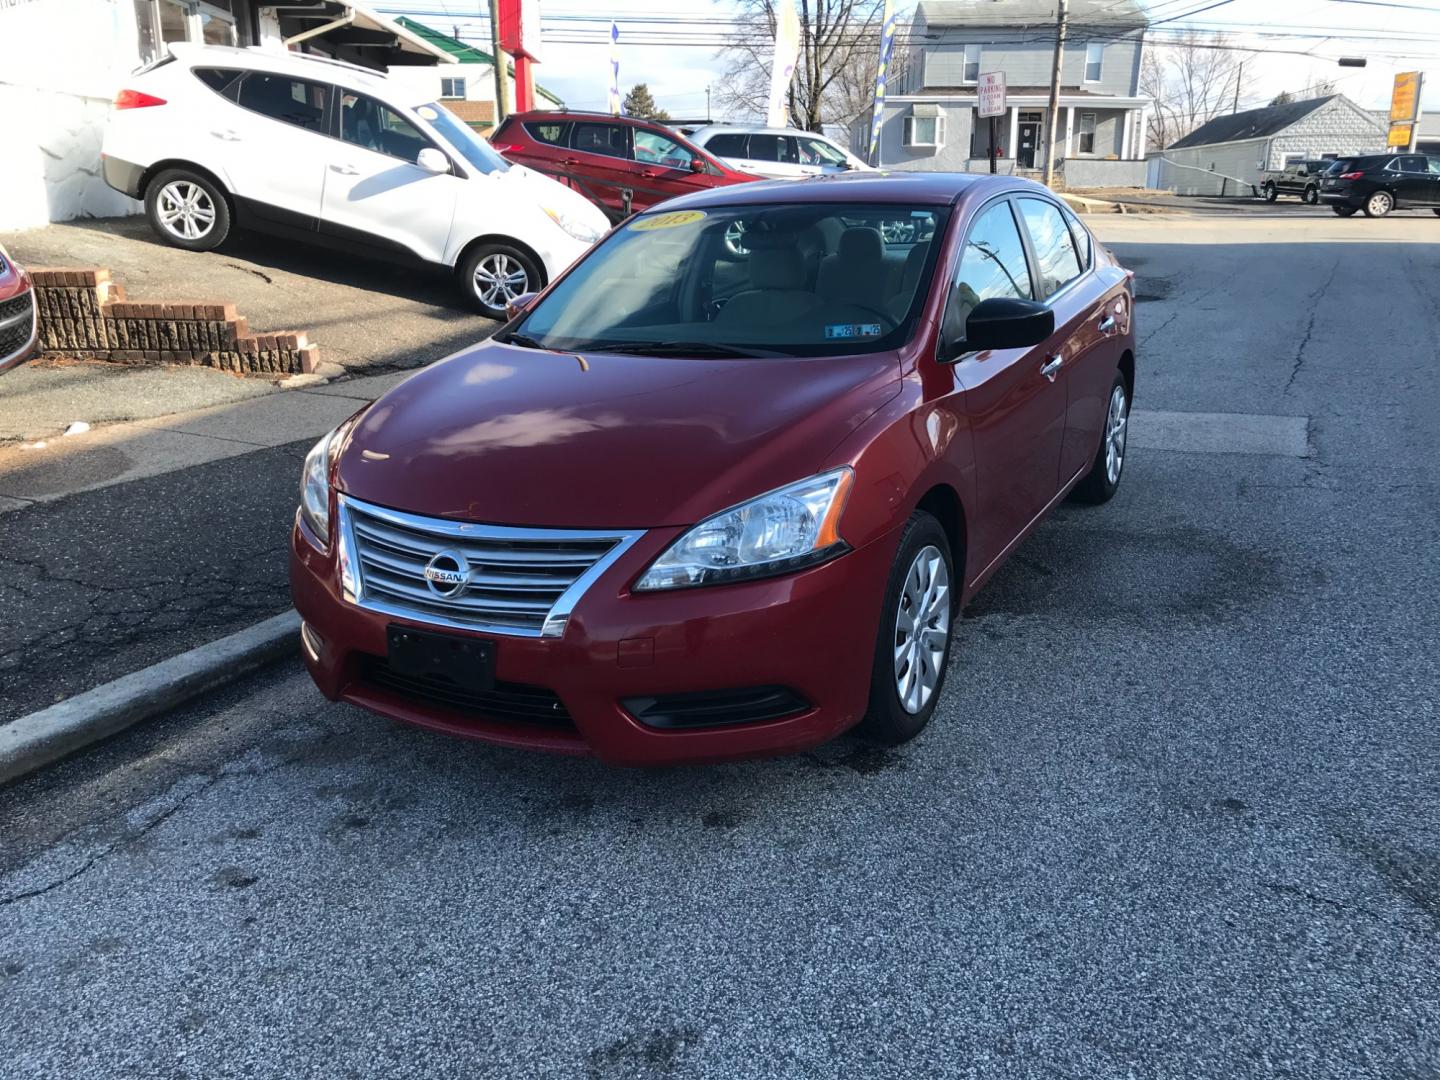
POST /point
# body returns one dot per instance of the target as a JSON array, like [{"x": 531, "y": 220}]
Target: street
[{"x": 1178, "y": 814}]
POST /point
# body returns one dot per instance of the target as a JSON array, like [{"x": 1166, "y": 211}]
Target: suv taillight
[
  {"x": 1351, "y": 175},
  {"x": 135, "y": 99}
]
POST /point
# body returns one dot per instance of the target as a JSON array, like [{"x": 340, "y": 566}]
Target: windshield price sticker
[
  {"x": 852, "y": 330},
  {"x": 668, "y": 221}
]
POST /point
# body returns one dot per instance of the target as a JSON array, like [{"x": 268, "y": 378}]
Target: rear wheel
[
  {"x": 916, "y": 625},
  {"x": 1436, "y": 211},
  {"x": 494, "y": 274},
  {"x": 187, "y": 210},
  {"x": 1349, "y": 211},
  {"x": 1269, "y": 193},
  {"x": 1379, "y": 204},
  {"x": 1103, "y": 479}
]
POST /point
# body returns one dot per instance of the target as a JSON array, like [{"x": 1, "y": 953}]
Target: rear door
[
  {"x": 1016, "y": 414},
  {"x": 274, "y": 144},
  {"x": 599, "y": 164},
  {"x": 775, "y": 156},
  {"x": 375, "y": 192}
]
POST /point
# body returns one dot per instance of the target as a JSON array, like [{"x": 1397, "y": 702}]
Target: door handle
[
  {"x": 1052, "y": 367},
  {"x": 346, "y": 170},
  {"x": 647, "y": 173},
  {"x": 570, "y": 161},
  {"x": 1106, "y": 324},
  {"x": 228, "y": 135}
]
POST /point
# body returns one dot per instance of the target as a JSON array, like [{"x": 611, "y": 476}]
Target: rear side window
[
  {"x": 731, "y": 145},
  {"x": 779, "y": 148},
  {"x": 548, "y": 132},
  {"x": 291, "y": 101},
  {"x": 606, "y": 139},
  {"x": 375, "y": 126},
  {"x": 222, "y": 80},
  {"x": 993, "y": 264},
  {"x": 1056, "y": 259}
]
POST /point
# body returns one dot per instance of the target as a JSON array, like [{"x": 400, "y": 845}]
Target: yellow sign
[
  {"x": 1405, "y": 98},
  {"x": 672, "y": 220},
  {"x": 1399, "y": 135}
]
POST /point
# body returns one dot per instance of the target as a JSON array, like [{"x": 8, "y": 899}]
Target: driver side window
[
  {"x": 655, "y": 149},
  {"x": 992, "y": 264}
]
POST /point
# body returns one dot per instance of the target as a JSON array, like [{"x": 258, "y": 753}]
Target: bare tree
[
  {"x": 1192, "y": 80},
  {"x": 835, "y": 73}
]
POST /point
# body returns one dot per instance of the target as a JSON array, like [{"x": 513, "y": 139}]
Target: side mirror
[
  {"x": 521, "y": 304},
  {"x": 697, "y": 165},
  {"x": 1005, "y": 323},
  {"x": 433, "y": 161}
]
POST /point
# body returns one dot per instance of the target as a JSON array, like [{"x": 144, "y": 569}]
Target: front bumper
[
  {"x": 20, "y": 328},
  {"x": 812, "y": 633}
]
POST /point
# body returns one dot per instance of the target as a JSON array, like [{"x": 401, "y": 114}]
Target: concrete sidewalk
[{"x": 67, "y": 465}]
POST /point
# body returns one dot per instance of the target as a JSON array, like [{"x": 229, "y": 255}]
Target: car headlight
[
  {"x": 315, "y": 483},
  {"x": 586, "y": 234},
  {"x": 785, "y": 530}
]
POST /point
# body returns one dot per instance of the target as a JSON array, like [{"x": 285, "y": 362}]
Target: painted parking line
[{"x": 1220, "y": 433}]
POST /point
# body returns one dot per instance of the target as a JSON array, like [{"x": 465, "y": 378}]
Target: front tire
[
  {"x": 1349, "y": 211},
  {"x": 1103, "y": 479},
  {"x": 1379, "y": 204},
  {"x": 916, "y": 629},
  {"x": 1310, "y": 196},
  {"x": 494, "y": 274},
  {"x": 187, "y": 210}
]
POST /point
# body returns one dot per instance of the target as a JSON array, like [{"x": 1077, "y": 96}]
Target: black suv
[
  {"x": 1300, "y": 178},
  {"x": 1379, "y": 183}
]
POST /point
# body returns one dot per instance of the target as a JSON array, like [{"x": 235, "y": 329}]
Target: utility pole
[
  {"x": 1239, "y": 76},
  {"x": 1052, "y": 119},
  {"x": 707, "y": 103},
  {"x": 502, "y": 79}
]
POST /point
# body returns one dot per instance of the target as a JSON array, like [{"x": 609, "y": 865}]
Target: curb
[{"x": 42, "y": 737}]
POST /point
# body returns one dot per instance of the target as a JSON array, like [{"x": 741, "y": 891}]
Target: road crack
[{"x": 1314, "y": 301}]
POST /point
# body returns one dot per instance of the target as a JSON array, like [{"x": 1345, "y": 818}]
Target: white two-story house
[{"x": 931, "y": 116}]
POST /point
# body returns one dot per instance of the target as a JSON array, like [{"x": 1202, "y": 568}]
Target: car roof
[
  {"x": 255, "y": 58},
  {"x": 918, "y": 188},
  {"x": 755, "y": 129}
]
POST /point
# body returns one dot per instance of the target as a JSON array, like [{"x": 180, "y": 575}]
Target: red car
[
  {"x": 19, "y": 325},
  {"x": 618, "y": 162},
  {"x": 722, "y": 489}
]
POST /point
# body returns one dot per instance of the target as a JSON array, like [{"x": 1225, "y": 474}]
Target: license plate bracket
[{"x": 467, "y": 662}]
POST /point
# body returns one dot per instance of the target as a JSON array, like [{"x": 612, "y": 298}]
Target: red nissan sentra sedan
[
  {"x": 722, "y": 489},
  {"x": 19, "y": 317}
]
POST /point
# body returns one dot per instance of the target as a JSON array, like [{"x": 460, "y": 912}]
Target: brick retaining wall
[{"x": 84, "y": 314}]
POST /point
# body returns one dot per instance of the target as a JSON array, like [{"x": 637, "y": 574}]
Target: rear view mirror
[
  {"x": 1006, "y": 323},
  {"x": 433, "y": 161},
  {"x": 521, "y": 304}
]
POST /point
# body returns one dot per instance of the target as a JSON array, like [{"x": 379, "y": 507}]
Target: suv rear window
[
  {"x": 221, "y": 80},
  {"x": 291, "y": 101},
  {"x": 548, "y": 132}
]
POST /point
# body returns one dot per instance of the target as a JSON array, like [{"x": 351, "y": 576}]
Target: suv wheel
[
  {"x": 913, "y": 647},
  {"x": 1311, "y": 196},
  {"x": 1269, "y": 193},
  {"x": 187, "y": 210},
  {"x": 1379, "y": 204},
  {"x": 494, "y": 274}
]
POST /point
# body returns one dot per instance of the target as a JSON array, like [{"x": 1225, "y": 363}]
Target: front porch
[{"x": 1087, "y": 132}]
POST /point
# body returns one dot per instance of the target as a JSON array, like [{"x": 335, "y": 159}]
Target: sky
[{"x": 678, "y": 75}]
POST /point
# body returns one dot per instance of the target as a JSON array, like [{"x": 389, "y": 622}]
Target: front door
[
  {"x": 1025, "y": 153},
  {"x": 1016, "y": 414},
  {"x": 664, "y": 168},
  {"x": 375, "y": 193}
]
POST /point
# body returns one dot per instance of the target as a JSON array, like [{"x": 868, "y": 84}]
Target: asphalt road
[{"x": 1178, "y": 815}]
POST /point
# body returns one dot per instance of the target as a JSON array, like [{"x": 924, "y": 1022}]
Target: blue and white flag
[
  {"x": 887, "y": 45},
  {"x": 614, "y": 69}
]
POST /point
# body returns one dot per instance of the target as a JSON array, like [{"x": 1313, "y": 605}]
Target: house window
[
  {"x": 452, "y": 88},
  {"x": 1094, "y": 57},
  {"x": 970, "y": 74},
  {"x": 924, "y": 131},
  {"x": 1087, "y": 133},
  {"x": 159, "y": 22}
]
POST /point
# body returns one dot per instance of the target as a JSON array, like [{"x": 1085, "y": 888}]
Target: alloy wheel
[
  {"x": 922, "y": 629},
  {"x": 185, "y": 209},
  {"x": 1116, "y": 422},
  {"x": 1379, "y": 204},
  {"x": 500, "y": 278}
]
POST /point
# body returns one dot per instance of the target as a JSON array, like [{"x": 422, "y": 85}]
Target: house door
[{"x": 1029, "y": 136}]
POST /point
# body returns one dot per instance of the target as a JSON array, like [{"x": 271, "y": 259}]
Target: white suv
[
  {"x": 333, "y": 153},
  {"x": 777, "y": 153}
]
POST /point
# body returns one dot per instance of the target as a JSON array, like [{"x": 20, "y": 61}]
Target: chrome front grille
[
  {"x": 496, "y": 578},
  {"x": 17, "y": 323}
]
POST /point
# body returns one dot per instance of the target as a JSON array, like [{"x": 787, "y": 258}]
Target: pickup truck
[{"x": 1300, "y": 178}]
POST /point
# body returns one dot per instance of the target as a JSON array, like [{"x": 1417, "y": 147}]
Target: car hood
[
  {"x": 515, "y": 436},
  {"x": 535, "y": 186}
]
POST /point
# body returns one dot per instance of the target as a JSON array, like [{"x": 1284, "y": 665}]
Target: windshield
[
  {"x": 471, "y": 147},
  {"x": 782, "y": 279}
]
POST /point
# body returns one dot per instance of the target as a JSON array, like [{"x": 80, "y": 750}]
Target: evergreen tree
[{"x": 640, "y": 103}]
